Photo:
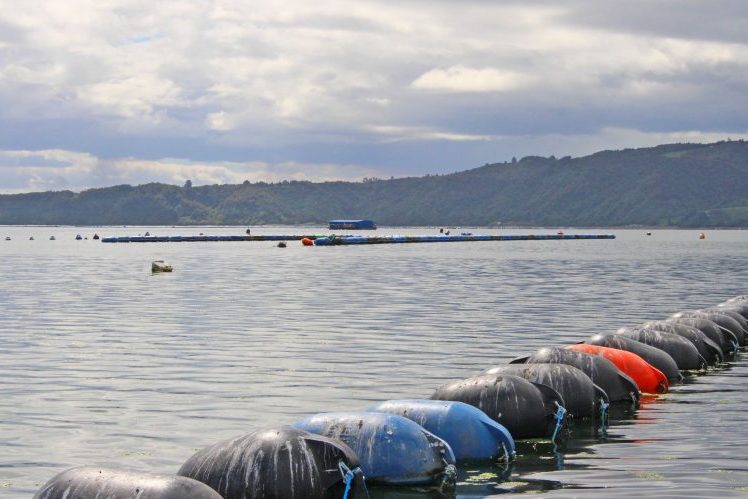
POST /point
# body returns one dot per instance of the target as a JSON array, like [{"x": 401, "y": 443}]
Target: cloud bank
[{"x": 347, "y": 90}]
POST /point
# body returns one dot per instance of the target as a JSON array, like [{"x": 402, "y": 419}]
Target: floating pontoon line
[
  {"x": 186, "y": 239},
  {"x": 345, "y": 240}
]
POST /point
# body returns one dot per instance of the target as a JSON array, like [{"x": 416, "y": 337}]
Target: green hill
[{"x": 686, "y": 185}]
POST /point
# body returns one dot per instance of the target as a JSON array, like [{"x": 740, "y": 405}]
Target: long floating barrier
[
  {"x": 190, "y": 239},
  {"x": 345, "y": 240},
  {"x": 334, "y": 240},
  {"x": 475, "y": 418}
]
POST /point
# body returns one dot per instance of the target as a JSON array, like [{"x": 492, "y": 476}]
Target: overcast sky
[{"x": 102, "y": 92}]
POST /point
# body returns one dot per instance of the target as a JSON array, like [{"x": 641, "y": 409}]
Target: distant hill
[{"x": 685, "y": 185}]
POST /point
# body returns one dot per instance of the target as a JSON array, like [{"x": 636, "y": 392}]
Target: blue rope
[
  {"x": 604, "y": 412},
  {"x": 560, "y": 412},
  {"x": 348, "y": 476}
]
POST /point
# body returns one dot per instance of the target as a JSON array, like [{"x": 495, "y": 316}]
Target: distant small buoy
[
  {"x": 649, "y": 233},
  {"x": 248, "y": 231},
  {"x": 78, "y": 237},
  {"x": 160, "y": 266},
  {"x": 702, "y": 235},
  {"x": 441, "y": 231},
  {"x": 96, "y": 236},
  {"x": 31, "y": 238},
  {"x": 281, "y": 244},
  {"x": 147, "y": 234},
  {"x": 202, "y": 234},
  {"x": 307, "y": 242},
  {"x": 7, "y": 238},
  {"x": 52, "y": 238}
]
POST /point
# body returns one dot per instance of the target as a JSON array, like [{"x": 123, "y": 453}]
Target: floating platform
[
  {"x": 346, "y": 240},
  {"x": 191, "y": 239},
  {"x": 335, "y": 240}
]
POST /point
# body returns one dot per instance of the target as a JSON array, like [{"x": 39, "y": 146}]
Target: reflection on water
[{"x": 102, "y": 363}]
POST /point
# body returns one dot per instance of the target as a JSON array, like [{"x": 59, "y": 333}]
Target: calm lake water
[{"x": 104, "y": 364}]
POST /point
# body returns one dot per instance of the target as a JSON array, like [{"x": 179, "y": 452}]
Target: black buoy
[
  {"x": 526, "y": 409},
  {"x": 601, "y": 371},
  {"x": 683, "y": 352},
  {"x": 720, "y": 318},
  {"x": 282, "y": 462},
  {"x": 581, "y": 396},
  {"x": 660, "y": 359},
  {"x": 95, "y": 483},
  {"x": 281, "y": 244},
  {"x": 724, "y": 338},
  {"x": 707, "y": 348},
  {"x": 733, "y": 314},
  {"x": 736, "y": 306}
]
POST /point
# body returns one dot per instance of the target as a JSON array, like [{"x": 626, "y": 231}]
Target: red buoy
[
  {"x": 649, "y": 378},
  {"x": 307, "y": 242}
]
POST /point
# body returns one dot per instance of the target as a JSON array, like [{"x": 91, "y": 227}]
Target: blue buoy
[
  {"x": 392, "y": 450},
  {"x": 469, "y": 431}
]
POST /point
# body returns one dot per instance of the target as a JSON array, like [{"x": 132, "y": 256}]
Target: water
[{"x": 102, "y": 363}]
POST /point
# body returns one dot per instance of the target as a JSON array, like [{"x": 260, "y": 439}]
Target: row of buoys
[
  {"x": 418, "y": 442},
  {"x": 78, "y": 237}
]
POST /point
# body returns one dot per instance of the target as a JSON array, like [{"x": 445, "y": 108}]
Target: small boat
[
  {"x": 96, "y": 237},
  {"x": 160, "y": 266},
  {"x": 52, "y": 238},
  {"x": 78, "y": 237},
  {"x": 7, "y": 238}
]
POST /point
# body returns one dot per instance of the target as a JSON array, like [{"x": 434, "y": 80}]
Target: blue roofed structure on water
[{"x": 352, "y": 225}]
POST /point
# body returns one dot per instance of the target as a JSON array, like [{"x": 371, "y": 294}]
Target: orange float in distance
[
  {"x": 307, "y": 242},
  {"x": 649, "y": 378}
]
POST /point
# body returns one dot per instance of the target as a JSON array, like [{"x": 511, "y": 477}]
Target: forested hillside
[{"x": 687, "y": 185}]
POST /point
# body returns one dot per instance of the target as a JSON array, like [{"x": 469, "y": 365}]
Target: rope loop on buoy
[
  {"x": 348, "y": 476},
  {"x": 604, "y": 412},
  {"x": 560, "y": 413}
]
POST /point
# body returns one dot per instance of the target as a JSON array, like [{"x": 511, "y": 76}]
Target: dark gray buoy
[
  {"x": 526, "y": 409},
  {"x": 601, "y": 371},
  {"x": 97, "y": 483},
  {"x": 283, "y": 462}
]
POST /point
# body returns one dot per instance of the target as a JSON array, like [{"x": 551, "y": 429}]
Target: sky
[{"x": 102, "y": 92}]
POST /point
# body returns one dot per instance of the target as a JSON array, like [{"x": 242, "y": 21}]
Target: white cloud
[
  {"x": 400, "y": 133},
  {"x": 22, "y": 170},
  {"x": 462, "y": 79}
]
